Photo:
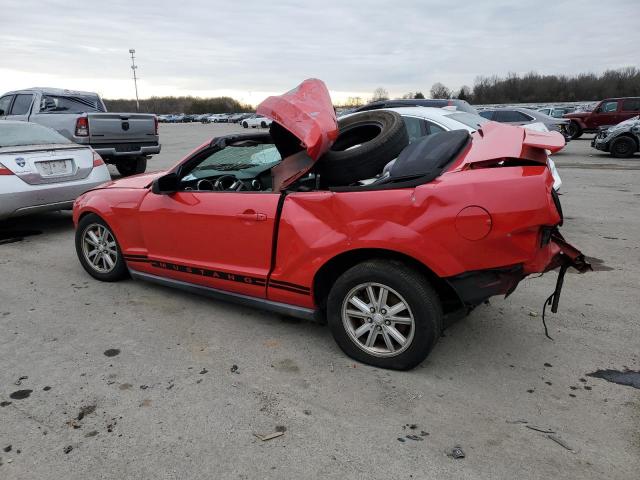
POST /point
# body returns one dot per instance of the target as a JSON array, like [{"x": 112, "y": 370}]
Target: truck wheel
[
  {"x": 623, "y": 147},
  {"x": 385, "y": 314},
  {"x": 366, "y": 143},
  {"x": 98, "y": 250},
  {"x": 132, "y": 166},
  {"x": 573, "y": 130}
]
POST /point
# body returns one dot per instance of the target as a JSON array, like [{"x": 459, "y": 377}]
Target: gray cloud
[{"x": 196, "y": 46}]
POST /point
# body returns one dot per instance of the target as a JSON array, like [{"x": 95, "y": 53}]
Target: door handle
[{"x": 250, "y": 215}]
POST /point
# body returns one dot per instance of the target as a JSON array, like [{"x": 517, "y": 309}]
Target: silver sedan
[{"x": 40, "y": 170}]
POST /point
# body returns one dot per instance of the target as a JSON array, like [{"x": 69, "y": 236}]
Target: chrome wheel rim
[
  {"x": 378, "y": 319},
  {"x": 99, "y": 248}
]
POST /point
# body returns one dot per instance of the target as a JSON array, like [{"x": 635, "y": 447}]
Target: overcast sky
[{"x": 250, "y": 49}]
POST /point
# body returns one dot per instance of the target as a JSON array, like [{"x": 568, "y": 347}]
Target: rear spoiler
[{"x": 497, "y": 141}]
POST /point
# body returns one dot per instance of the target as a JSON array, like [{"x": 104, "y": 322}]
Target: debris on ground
[
  {"x": 19, "y": 380},
  {"x": 270, "y": 436},
  {"x": 281, "y": 428},
  {"x": 20, "y": 394},
  {"x": 84, "y": 411},
  {"x": 47, "y": 388},
  {"x": 203, "y": 371},
  {"x": 456, "y": 452},
  {"x": 5, "y": 404},
  {"x": 402, "y": 440},
  {"x": 519, "y": 420},
  {"x": 307, "y": 412},
  {"x": 628, "y": 378},
  {"x": 67, "y": 449},
  {"x": 415, "y": 438},
  {"x": 7, "y": 449},
  {"x": 540, "y": 429},
  {"x": 112, "y": 352},
  {"x": 533, "y": 314},
  {"x": 234, "y": 369},
  {"x": 560, "y": 442}
]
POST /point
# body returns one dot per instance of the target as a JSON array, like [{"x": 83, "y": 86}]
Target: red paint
[
  {"x": 307, "y": 112},
  {"x": 480, "y": 214}
]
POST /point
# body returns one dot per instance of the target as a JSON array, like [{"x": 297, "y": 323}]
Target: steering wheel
[{"x": 228, "y": 182}]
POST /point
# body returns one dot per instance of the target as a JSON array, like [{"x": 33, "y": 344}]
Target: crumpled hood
[
  {"x": 136, "y": 181},
  {"x": 307, "y": 112}
]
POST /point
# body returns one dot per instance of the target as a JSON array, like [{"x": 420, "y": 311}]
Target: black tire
[
  {"x": 623, "y": 147},
  {"x": 366, "y": 143},
  {"x": 573, "y": 130},
  {"x": 415, "y": 291},
  {"x": 132, "y": 166},
  {"x": 118, "y": 271},
  {"x": 245, "y": 124},
  {"x": 263, "y": 124}
]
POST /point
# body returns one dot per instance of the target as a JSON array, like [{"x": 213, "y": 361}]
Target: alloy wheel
[
  {"x": 99, "y": 248},
  {"x": 378, "y": 319}
]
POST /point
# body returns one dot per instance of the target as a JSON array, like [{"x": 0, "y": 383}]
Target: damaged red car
[{"x": 344, "y": 221}]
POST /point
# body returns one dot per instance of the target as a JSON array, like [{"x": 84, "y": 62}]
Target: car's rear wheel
[
  {"x": 623, "y": 147},
  {"x": 245, "y": 124},
  {"x": 132, "y": 166},
  {"x": 263, "y": 124},
  {"x": 98, "y": 249},
  {"x": 573, "y": 130},
  {"x": 385, "y": 314}
]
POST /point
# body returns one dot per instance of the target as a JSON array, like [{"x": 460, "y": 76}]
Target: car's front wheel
[
  {"x": 98, "y": 249},
  {"x": 573, "y": 130},
  {"x": 384, "y": 313},
  {"x": 623, "y": 147}
]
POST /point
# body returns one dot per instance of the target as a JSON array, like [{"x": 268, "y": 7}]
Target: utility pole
[{"x": 135, "y": 78}]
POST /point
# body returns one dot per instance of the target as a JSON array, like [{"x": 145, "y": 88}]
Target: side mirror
[{"x": 166, "y": 184}]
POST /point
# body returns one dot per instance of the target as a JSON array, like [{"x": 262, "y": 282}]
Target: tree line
[
  {"x": 528, "y": 88},
  {"x": 190, "y": 105}
]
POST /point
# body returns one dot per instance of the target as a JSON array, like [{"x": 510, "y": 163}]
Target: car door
[
  {"x": 219, "y": 239},
  {"x": 21, "y": 107},
  {"x": 5, "y": 105},
  {"x": 630, "y": 108},
  {"x": 606, "y": 114}
]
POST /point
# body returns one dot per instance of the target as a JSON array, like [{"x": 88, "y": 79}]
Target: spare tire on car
[{"x": 366, "y": 142}]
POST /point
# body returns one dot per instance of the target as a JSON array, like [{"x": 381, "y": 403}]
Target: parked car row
[{"x": 204, "y": 118}]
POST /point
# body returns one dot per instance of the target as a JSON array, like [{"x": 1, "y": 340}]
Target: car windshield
[
  {"x": 23, "y": 133},
  {"x": 71, "y": 103},
  {"x": 469, "y": 119},
  {"x": 236, "y": 158}
]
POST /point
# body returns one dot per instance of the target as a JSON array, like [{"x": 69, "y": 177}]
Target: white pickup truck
[{"x": 123, "y": 139}]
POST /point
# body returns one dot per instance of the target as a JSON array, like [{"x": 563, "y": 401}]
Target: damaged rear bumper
[{"x": 475, "y": 287}]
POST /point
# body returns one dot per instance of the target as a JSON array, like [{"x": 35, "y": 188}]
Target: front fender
[{"x": 119, "y": 208}]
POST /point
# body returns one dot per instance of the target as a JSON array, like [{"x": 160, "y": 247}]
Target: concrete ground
[{"x": 190, "y": 380}]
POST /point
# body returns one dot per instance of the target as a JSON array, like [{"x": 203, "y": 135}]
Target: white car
[
  {"x": 40, "y": 170},
  {"x": 421, "y": 121},
  {"x": 256, "y": 121}
]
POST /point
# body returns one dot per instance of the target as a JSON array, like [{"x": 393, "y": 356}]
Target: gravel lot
[{"x": 133, "y": 380}]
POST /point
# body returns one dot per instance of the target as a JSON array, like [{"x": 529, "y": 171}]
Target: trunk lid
[
  {"x": 44, "y": 164},
  {"x": 307, "y": 113},
  {"x": 121, "y": 127},
  {"x": 497, "y": 141}
]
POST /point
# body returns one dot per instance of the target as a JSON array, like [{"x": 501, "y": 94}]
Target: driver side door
[{"x": 221, "y": 240}]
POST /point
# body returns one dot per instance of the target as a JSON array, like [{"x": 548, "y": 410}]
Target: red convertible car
[{"x": 339, "y": 221}]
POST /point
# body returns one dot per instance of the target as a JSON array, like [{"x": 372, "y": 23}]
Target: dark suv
[
  {"x": 608, "y": 112},
  {"x": 461, "y": 105}
]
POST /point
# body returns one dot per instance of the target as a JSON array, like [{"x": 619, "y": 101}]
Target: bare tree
[
  {"x": 464, "y": 93},
  {"x": 380, "y": 94},
  {"x": 438, "y": 90}
]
